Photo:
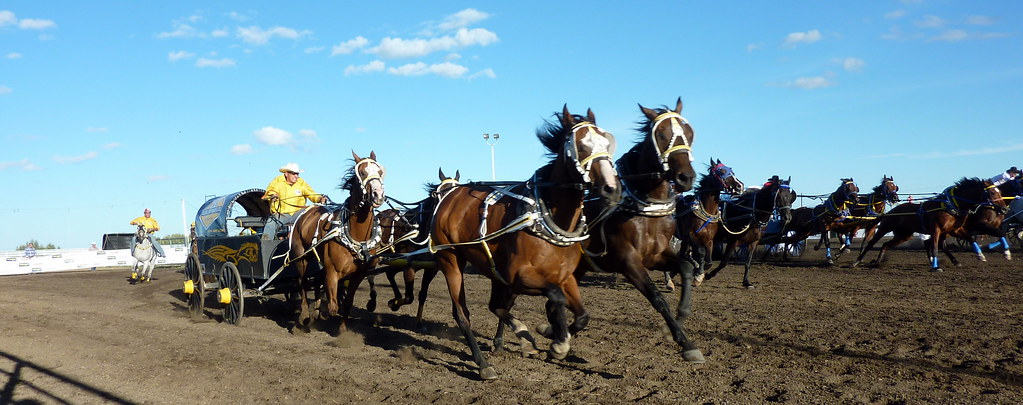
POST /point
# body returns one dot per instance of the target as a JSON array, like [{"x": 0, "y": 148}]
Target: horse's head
[
  {"x": 140, "y": 233},
  {"x": 446, "y": 184},
  {"x": 994, "y": 195},
  {"x": 724, "y": 174},
  {"x": 888, "y": 190},
  {"x": 367, "y": 180},
  {"x": 847, "y": 192},
  {"x": 783, "y": 197},
  {"x": 671, "y": 140},
  {"x": 589, "y": 148}
]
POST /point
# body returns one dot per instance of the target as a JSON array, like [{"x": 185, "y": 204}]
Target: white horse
[{"x": 145, "y": 256}]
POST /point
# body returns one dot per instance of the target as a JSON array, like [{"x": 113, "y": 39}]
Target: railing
[{"x": 14, "y": 262}]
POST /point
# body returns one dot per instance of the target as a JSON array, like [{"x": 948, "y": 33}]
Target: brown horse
[
  {"x": 866, "y": 213},
  {"x": 340, "y": 238},
  {"x": 406, "y": 232},
  {"x": 743, "y": 221},
  {"x": 823, "y": 218},
  {"x": 524, "y": 236},
  {"x": 699, "y": 214},
  {"x": 937, "y": 217},
  {"x": 636, "y": 238},
  {"x": 987, "y": 220}
]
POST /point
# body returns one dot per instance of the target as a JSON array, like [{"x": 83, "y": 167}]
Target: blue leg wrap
[
  {"x": 976, "y": 247},
  {"x": 848, "y": 240},
  {"x": 827, "y": 252},
  {"x": 934, "y": 262},
  {"x": 1005, "y": 244}
]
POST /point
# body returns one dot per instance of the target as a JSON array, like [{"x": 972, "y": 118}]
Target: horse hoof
[
  {"x": 371, "y": 305},
  {"x": 981, "y": 258},
  {"x": 750, "y": 286},
  {"x": 559, "y": 351},
  {"x": 694, "y": 356},
  {"x": 545, "y": 330},
  {"x": 394, "y": 304},
  {"x": 829, "y": 263},
  {"x": 697, "y": 280},
  {"x": 488, "y": 374},
  {"x": 937, "y": 270},
  {"x": 856, "y": 264}
]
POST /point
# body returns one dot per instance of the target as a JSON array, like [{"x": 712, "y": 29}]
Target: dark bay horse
[
  {"x": 937, "y": 217},
  {"x": 866, "y": 212},
  {"x": 525, "y": 236},
  {"x": 822, "y": 218},
  {"x": 699, "y": 214},
  {"x": 636, "y": 238},
  {"x": 340, "y": 238},
  {"x": 405, "y": 232},
  {"x": 743, "y": 221},
  {"x": 987, "y": 220}
]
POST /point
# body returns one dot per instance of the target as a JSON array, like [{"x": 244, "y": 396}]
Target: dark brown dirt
[{"x": 807, "y": 334}]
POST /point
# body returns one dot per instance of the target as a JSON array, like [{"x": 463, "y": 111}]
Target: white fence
[{"x": 54, "y": 260}]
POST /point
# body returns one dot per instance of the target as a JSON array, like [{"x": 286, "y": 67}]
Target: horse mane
[
  {"x": 970, "y": 182},
  {"x": 348, "y": 180},
  {"x": 646, "y": 125},
  {"x": 552, "y": 135},
  {"x": 708, "y": 182},
  {"x": 879, "y": 189},
  {"x": 430, "y": 187}
]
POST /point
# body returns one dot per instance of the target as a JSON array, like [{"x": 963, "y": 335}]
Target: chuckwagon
[{"x": 232, "y": 260}]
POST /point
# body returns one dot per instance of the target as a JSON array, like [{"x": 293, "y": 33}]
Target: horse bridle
[
  {"x": 364, "y": 181},
  {"x": 596, "y": 135},
  {"x": 677, "y": 132}
]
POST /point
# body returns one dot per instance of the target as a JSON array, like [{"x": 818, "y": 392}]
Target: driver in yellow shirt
[
  {"x": 287, "y": 194},
  {"x": 151, "y": 226}
]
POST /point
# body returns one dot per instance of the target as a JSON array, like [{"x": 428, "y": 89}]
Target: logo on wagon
[{"x": 249, "y": 252}]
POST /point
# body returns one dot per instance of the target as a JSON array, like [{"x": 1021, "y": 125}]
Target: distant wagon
[{"x": 232, "y": 261}]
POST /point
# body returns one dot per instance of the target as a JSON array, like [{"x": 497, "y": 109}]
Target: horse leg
[
  {"x": 944, "y": 249},
  {"x": 640, "y": 278},
  {"x": 898, "y": 238},
  {"x": 976, "y": 248},
  {"x": 729, "y": 249},
  {"x": 870, "y": 242},
  {"x": 448, "y": 264},
  {"x": 501, "y": 302},
  {"x": 302, "y": 317},
  {"x": 409, "y": 276},
  {"x": 559, "y": 324},
  {"x": 826, "y": 239},
  {"x": 749, "y": 263},
  {"x": 346, "y": 306},
  {"x": 371, "y": 305},
  {"x": 668, "y": 282},
  {"x": 424, "y": 289}
]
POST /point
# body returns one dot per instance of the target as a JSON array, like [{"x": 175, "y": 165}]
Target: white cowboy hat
[{"x": 291, "y": 167}]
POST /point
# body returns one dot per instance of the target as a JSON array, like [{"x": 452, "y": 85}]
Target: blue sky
[{"x": 110, "y": 107}]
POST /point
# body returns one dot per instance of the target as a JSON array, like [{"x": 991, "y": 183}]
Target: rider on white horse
[{"x": 151, "y": 226}]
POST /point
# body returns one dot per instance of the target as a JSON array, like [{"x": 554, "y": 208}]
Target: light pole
[{"x": 492, "y": 140}]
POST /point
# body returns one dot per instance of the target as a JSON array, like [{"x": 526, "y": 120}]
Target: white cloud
[
  {"x": 446, "y": 69},
  {"x": 157, "y": 177},
  {"x": 930, "y": 21},
  {"x": 175, "y": 56},
  {"x": 218, "y": 63},
  {"x": 96, "y": 129},
  {"x": 75, "y": 159},
  {"x": 180, "y": 31},
  {"x": 13, "y": 55},
  {"x": 484, "y": 73},
  {"x": 7, "y": 18},
  {"x": 808, "y": 83},
  {"x": 894, "y": 14},
  {"x": 462, "y": 19},
  {"x": 223, "y": 32},
  {"x": 273, "y": 136},
  {"x": 751, "y": 47},
  {"x": 308, "y": 133},
  {"x": 408, "y": 48},
  {"x": 348, "y": 46},
  {"x": 257, "y": 36},
  {"x": 23, "y": 164},
  {"x": 452, "y": 56},
  {"x": 851, "y": 64},
  {"x": 374, "y": 66},
  {"x": 112, "y": 145},
  {"x": 808, "y": 37},
  {"x": 960, "y": 35},
  {"x": 5, "y": 90},
  {"x": 234, "y": 15},
  {"x": 36, "y": 24},
  {"x": 989, "y": 150},
  {"x": 980, "y": 20},
  {"x": 314, "y": 49},
  {"x": 243, "y": 149}
]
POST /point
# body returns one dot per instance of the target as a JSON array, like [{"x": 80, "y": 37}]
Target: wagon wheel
[
  {"x": 797, "y": 249},
  {"x": 1015, "y": 235},
  {"x": 231, "y": 293},
  {"x": 195, "y": 287}
]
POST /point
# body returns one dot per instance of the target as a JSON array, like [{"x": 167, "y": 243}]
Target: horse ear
[
  {"x": 373, "y": 155},
  {"x": 650, "y": 114},
  {"x": 440, "y": 174},
  {"x": 356, "y": 157},
  {"x": 457, "y": 175},
  {"x": 678, "y": 105},
  {"x": 789, "y": 180},
  {"x": 590, "y": 117},
  {"x": 566, "y": 117}
]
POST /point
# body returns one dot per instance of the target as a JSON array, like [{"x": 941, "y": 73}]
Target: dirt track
[{"x": 808, "y": 334}]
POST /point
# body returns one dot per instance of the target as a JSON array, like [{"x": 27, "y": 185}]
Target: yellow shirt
[
  {"x": 292, "y": 196},
  {"x": 150, "y": 223}
]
